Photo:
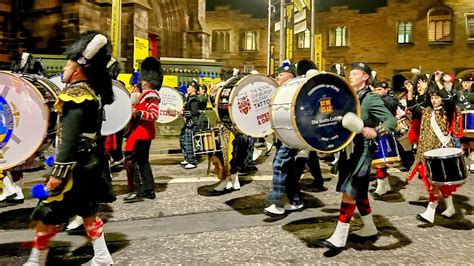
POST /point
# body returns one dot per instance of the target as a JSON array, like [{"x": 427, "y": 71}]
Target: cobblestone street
[{"x": 188, "y": 224}]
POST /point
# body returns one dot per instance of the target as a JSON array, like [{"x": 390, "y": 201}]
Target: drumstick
[{"x": 352, "y": 122}]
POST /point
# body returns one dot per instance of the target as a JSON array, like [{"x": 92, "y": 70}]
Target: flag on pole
[
  {"x": 299, "y": 5},
  {"x": 307, "y": 3}
]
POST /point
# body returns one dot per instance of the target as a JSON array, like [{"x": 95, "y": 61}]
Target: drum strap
[{"x": 434, "y": 125}]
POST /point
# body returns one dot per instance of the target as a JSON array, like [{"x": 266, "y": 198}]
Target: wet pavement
[{"x": 189, "y": 224}]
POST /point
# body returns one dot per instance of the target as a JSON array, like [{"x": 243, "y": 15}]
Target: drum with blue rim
[
  {"x": 468, "y": 116},
  {"x": 306, "y": 113},
  {"x": 387, "y": 150}
]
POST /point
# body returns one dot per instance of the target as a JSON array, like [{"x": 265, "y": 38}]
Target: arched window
[
  {"x": 405, "y": 32},
  {"x": 440, "y": 22}
]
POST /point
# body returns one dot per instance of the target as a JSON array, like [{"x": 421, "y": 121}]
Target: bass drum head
[
  {"x": 119, "y": 113},
  {"x": 443, "y": 153},
  {"x": 250, "y": 105},
  {"x": 56, "y": 79},
  {"x": 319, "y": 106},
  {"x": 171, "y": 101},
  {"x": 24, "y": 120}
]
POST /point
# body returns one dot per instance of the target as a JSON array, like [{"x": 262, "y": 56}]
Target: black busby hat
[
  {"x": 362, "y": 66},
  {"x": 92, "y": 48},
  {"x": 151, "y": 71},
  {"x": 304, "y": 65},
  {"x": 286, "y": 66}
]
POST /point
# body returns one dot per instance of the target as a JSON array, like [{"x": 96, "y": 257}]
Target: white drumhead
[
  {"x": 443, "y": 153},
  {"x": 119, "y": 113},
  {"x": 250, "y": 105},
  {"x": 171, "y": 101},
  {"x": 56, "y": 79},
  {"x": 23, "y": 120}
]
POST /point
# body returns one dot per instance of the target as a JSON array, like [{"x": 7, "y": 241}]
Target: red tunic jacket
[{"x": 145, "y": 113}]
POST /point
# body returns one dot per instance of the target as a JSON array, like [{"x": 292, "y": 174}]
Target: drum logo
[
  {"x": 325, "y": 105},
  {"x": 6, "y": 125},
  {"x": 244, "y": 104}
]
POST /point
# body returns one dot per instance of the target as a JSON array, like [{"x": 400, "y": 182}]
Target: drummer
[
  {"x": 355, "y": 163},
  {"x": 284, "y": 177},
  {"x": 382, "y": 89},
  {"x": 436, "y": 114}
]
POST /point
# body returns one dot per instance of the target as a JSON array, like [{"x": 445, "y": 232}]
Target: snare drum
[
  {"x": 119, "y": 113},
  {"x": 171, "y": 102},
  {"x": 243, "y": 105},
  {"x": 468, "y": 123},
  {"x": 306, "y": 113},
  {"x": 205, "y": 142},
  {"x": 387, "y": 151},
  {"x": 446, "y": 166},
  {"x": 27, "y": 123}
]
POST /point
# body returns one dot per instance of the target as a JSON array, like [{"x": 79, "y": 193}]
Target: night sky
[{"x": 258, "y": 8}]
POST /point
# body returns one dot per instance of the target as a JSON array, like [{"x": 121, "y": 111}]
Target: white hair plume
[{"x": 93, "y": 47}]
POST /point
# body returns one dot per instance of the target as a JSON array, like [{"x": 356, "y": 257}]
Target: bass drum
[
  {"x": 171, "y": 101},
  {"x": 306, "y": 113},
  {"x": 243, "y": 105},
  {"x": 27, "y": 120},
  {"x": 119, "y": 113}
]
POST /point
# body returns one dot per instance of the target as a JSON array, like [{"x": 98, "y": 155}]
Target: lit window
[
  {"x": 405, "y": 31},
  {"x": 249, "y": 41},
  {"x": 338, "y": 37},
  {"x": 439, "y": 24},
  {"x": 470, "y": 26},
  {"x": 304, "y": 39}
]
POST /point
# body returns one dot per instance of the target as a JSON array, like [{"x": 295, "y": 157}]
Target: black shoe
[
  {"x": 15, "y": 201},
  {"x": 79, "y": 231},
  {"x": 326, "y": 244},
  {"x": 9, "y": 197},
  {"x": 133, "y": 197},
  {"x": 149, "y": 195}
]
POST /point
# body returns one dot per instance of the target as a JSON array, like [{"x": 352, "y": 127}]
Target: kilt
[{"x": 354, "y": 172}]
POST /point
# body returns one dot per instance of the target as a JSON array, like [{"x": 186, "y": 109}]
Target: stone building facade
[
  {"x": 393, "y": 39},
  {"x": 399, "y": 37},
  {"x": 239, "y": 40},
  {"x": 174, "y": 28}
]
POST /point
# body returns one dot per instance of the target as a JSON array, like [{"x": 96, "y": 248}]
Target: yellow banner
[
  {"x": 115, "y": 26},
  {"x": 140, "y": 51},
  {"x": 272, "y": 60},
  {"x": 318, "y": 51},
  {"x": 170, "y": 81},
  {"x": 125, "y": 78},
  {"x": 289, "y": 31}
]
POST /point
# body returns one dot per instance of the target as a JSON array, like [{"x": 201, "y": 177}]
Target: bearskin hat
[
  {"x": 304, "y": 65},
  {"x": 152, "y": 72},
  {"x": 92, "y": 48}
]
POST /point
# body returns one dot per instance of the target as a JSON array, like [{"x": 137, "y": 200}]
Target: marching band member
[
  {"x": 383, "y": 186},
  {"x": 77, "y": 181},
  {"x": 193, "y": 121},
  {"x": 142, "y": 131},
  {"x": 355, "y": 163},
  {"x": 437, "y": 122},
  {"x": 284, "y": 179}
]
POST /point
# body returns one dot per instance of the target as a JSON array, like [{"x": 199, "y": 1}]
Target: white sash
[{"x": 434, "y": 125}]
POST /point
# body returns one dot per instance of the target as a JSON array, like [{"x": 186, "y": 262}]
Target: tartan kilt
[
  {"x": 110, "y": 143},
  {"x": 202, "y": 122},
  {"x": 354, "y": 172}
]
